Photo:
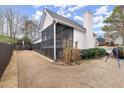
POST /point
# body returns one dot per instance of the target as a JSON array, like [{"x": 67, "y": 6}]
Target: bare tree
[
  {"x": 16, "y": 24},
  {"x": 13, "y": 20},
  {"x": 25, "y": 26},
  {"x": 1, "y": 21},
  {"x": 30, "y": 28},
  {"x": 9, "y": 14},
  {"x": 36, "y": 27}
]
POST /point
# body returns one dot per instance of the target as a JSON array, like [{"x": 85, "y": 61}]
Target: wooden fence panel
[{"x": 5, "y": 56}]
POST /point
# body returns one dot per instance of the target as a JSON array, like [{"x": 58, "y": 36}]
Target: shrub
[
  {"x": 6, "y": 39},
  {"x": 101, "y": 52},
  {"x": 92, "y": 53}
]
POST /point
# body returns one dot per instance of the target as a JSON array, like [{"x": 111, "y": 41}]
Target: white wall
[
  {"x": 88, "y": 24},
  {"x": 47, "y": 21},
  {"x": 78, "y": 36}
]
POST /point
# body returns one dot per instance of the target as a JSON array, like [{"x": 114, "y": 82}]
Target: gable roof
[{"x": 64, "y": 20}]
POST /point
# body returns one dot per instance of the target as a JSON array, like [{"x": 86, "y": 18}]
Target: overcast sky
[{"x": 74, "y": 12}]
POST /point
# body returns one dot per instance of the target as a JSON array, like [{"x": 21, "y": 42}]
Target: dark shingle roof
[{"x": 65, "y": 20}]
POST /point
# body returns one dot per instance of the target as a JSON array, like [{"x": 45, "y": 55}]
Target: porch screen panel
[
  {"x": 62, "y": 32},
  {"x": 47, "y": 44}
]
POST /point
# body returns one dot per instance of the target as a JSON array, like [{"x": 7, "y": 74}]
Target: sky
[{"x": 74, "y": 12}]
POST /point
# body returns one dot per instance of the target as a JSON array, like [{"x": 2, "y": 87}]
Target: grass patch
[{"x": 6, "y": 39}]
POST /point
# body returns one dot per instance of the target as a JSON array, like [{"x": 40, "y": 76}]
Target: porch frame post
[{"x": 55, "y": 41}]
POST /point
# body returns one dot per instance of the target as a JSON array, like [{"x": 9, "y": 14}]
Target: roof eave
[
  {"x": 59, "y": 21},
  {"x": 48, "y": 14}
]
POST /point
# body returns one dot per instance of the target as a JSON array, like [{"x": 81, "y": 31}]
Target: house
[
  {"x": 113, "y": 36},
  {"x": 56, "y": 28},
  {"x": 101, "y": 41}
]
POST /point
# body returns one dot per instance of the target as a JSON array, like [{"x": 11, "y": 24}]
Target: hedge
[{"x": 92, "y": 53}]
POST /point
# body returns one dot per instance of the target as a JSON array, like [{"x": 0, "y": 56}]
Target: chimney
[{"x": 88, "y": 25}]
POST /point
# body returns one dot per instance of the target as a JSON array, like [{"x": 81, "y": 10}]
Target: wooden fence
[{"x": 5, "y": 56}]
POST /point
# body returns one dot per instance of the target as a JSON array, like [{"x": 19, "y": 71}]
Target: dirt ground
[
  {"x": 34, "y": 71},
  {"x": 10, "y": 76}
]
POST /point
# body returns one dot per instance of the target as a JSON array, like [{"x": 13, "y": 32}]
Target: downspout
[
  {"x": 41, "y": 42},
  {"x": 55, "y": 39}
]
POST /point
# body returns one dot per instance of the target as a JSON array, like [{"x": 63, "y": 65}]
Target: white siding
[
  {"x": 78, "y": 36},
  {"x": 47, "y": 21},
  {"x": 38, "y": 41}
]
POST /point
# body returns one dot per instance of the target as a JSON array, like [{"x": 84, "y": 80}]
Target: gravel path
[{"x": 35, "y": 71}]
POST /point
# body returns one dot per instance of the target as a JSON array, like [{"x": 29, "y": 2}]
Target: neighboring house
[
  {"x": 56, "y": 28},
  {"x": 115, "y": 37},
  {"x": 100, "y": 41}
]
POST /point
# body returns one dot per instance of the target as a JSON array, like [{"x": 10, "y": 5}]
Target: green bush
[
  {"x": 92, "y": 53},
  {"x": 6, "y": 39}
]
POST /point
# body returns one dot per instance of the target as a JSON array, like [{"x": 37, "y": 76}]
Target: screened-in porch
[{"x": 61, "y": 32}]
